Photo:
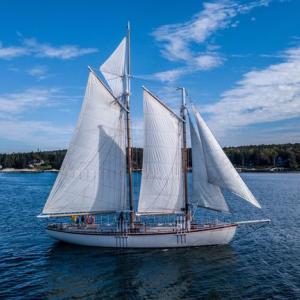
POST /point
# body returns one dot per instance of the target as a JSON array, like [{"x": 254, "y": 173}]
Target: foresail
[
  {"x": 162, "y": 173},
  {"x": 114, "y": 69},
  {"x": 93, "y": 174},
  {"x": 204, "y": 193},
  {"x": 220, "y": 171}
]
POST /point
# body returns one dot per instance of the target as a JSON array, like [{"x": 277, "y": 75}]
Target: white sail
[
  {"x": 220, "y": 171},
  {"x": 93, "y": 175},
  {"x": 204, "y": 193},
  {"x": 162, "y": 175},
  {"x": 114, "y": 68}
]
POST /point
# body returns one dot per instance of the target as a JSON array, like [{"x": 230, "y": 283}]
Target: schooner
[{"x": 96, "y": 174}]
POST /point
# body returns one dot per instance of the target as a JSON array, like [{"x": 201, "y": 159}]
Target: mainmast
[
  {"x": 184, "y": 158},
  {"x": 129, "y": 149}
]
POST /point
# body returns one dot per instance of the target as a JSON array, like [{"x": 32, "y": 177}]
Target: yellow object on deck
[{"x": 73, "y": 218}]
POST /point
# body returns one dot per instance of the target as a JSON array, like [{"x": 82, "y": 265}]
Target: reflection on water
[
  {"x": 133, "y": 274},
  {"x": 261, "y": 264}
]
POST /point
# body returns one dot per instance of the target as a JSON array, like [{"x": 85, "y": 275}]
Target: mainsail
[
  {"x": 162, "y": 176},
  {"x": 93, "y": 175},
  {"x": 220, "y": 171},
  {"x": 204, "y": 193},
  {"x": 114, "y": 68}
]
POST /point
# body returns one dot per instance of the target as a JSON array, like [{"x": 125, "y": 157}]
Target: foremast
[
  {"x": 128, "y": 121},
  {"x": 187, "y": 214}
]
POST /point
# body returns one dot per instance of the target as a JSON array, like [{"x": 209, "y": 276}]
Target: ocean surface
[{"x": 261, "y": 263}]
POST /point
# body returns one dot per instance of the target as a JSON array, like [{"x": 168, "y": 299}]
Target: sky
[{"x": 239, "y": 61}]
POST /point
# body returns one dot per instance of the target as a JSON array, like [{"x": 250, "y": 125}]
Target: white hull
[{"x": 216, "y": 235}]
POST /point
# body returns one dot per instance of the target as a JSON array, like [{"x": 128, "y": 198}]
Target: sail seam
[{"x": 98, "y": 151}]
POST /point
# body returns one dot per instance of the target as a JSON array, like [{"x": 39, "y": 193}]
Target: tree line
[{"x": 285, "y": 156}]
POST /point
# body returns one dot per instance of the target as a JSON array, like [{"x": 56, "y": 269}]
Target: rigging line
[
  {"x": 114, "y": 78},
  {"x": 194, "y": 213},
  {"x": 138, "y": 77},
  {"x": 118, "y": 76},
  {"x": 190, "y": 100},
  {"x": 107, "y": 88},
  {"x": 112, "y": 73},
  {"x": 163, "y": 104},
  {"x": 249, "y": 232}
]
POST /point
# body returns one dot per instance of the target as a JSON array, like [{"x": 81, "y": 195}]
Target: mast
[
  {"x": 129, "y": 148},
  {"x": 184, "y": 158}
]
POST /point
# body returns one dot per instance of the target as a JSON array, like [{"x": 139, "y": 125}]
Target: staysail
[
  {"x": 114, "y": 68},
  {"x": 93, "y": 175},
  {"x": 204, "y": 193},
  {"x": 219, "y": 169},
  {"x": 162, "y": 176}
]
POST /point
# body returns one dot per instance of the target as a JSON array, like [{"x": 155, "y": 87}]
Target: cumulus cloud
[
  {"x": 33, "y": 47},
  {"x": 170, "y": 75},
  {"x": 176, "y": 39},
  {"x": 16, "y": 103},
  {"x": 261, "y": 96},
  {"x": 207, "y": 62},
  {"x": 32, "y": 133},
  {"x": 181, "y": 42}
]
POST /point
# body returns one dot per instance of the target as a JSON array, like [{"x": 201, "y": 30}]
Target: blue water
[{"x": 261, "y": 264}]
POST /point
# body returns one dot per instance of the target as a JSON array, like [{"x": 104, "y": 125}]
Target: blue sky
[{"x": 239, "y": 60}]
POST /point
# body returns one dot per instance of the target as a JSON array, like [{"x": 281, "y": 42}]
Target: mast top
[
  {"x": 183, "y": 93},
  {"x": 127, "y": 62}
]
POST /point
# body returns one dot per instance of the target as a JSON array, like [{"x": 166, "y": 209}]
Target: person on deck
[
  {"x": 88, "y": 219},
  {"x": 121, "y": 221}
]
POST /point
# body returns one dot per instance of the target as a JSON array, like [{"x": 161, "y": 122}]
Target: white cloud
[
  {"x": 15, "y": 103},
  {"x": 170, "y": 75},
  {"x": 207, "y": 62},
  {"x": 261, "y": 96},
  {"x": 176, "y": 38},
  {"x": 62, "y": 52},
  {"x": 251, "y": 135},
  {"x": 30, "y": 134},
  {"x": 39, "y": 72},
  {"x": 11, "y": 52},
  {"x": 33, "y": 47},
  {"x": 179, "y": 42},
  {"x": 204, "y": 61},
  {"x": 35, "y": 134}
]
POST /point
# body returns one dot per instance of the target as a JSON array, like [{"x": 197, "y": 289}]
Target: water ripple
[{"x": 262, "y": 264}]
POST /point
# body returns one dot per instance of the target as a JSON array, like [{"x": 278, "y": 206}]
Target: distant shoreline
[
  {"x": 240, "y": 170},
  {"x": 253, "y": 158},
  {"x": 27, "y": 170}
]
